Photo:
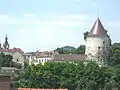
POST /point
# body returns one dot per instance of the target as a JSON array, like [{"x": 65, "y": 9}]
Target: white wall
[
  {"x": 43, "y": 60},
  {"x": 92, "y": 44},
  {"x": 18, "y": 58}
]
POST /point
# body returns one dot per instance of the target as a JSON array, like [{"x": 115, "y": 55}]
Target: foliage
[
  {"x": 85, "y": 35},
  {"x": 68, "y": 48},
  {"x": 114, "y": 54},
  {"x": 26, "y": 64},
  {"x": 60, "y": 50},
  {"x": 74, "y": 76},
  {"x": 72, "y": 50},
  {"x": 6, "y": 61},
  {"x": 80, "y": 49}
]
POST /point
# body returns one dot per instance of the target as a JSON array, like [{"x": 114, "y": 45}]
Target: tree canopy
[
  {"x": 74, "y": 76},
  {"x": 114, "y": 54},
  {"x": 6, "y": 61},
  {"x": 72, "y": 50},
  {"x": 85, "y": 35}
]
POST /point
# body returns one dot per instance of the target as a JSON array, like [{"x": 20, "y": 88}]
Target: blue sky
[{"x": 47, "y": 24}]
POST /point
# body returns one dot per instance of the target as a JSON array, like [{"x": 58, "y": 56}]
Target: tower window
[
  {"x": 17, "y": 60},
  {"x": 103, "y": 42},
  {"x": 99, "y": 47}
]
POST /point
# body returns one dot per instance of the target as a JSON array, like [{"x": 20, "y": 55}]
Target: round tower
[{"x": 97, "y": 43}]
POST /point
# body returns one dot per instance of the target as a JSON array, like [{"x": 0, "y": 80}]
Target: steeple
[
  {"x": 0, "y": 46},
  {"x": 97, "y": 29},
  {"x": 6, "y": 39},
  {"x": 6, "y": 44}
]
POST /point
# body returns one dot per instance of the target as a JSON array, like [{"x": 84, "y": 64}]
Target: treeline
[
  {"x": 72, "y": 50},
  {"x": 73, "y": 76}
]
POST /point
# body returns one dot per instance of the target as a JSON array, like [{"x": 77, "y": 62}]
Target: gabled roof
[
  {"x": 69, "y": 57},
  {"x": 30, "y": 53},
  {"x": 97, "y": 29},
  {"x": 12, "y": 50}
]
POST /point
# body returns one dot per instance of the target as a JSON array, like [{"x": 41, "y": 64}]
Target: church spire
[
  {"x": 6, "y": 39},
  {"x": 6, "y": 44}
]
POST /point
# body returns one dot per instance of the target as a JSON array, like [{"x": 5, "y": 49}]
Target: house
[
  {"x": 29, "y": 57},
  {"x": 16, "y": 53},
  {"x": 39, "y": 57}
]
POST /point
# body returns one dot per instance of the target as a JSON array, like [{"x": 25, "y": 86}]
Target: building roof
[
  {"x": 41, "y": 54},
  {"x": 30, "y": 53},
  {"x": 12, "y": 50},
  {"x": 97, "y": 29},
  {"x": 69, "y": 57}
]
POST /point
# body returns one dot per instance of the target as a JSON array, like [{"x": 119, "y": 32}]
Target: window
[
  {"x": 103, "y": 42},
  {"x": 17, "y": 60},
  {"x": 99, "y": 47}
]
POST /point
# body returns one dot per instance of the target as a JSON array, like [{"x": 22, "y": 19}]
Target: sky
[{"x": 47, "y": 24}]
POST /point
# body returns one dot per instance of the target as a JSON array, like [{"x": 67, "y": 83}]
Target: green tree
[
  {"x": 85, "y": 35},
  {"x": 80, "y": 49},
  {"x": 113, "y": 54},
  {"x": 50, "y": 75},
  {"x": 74, "y": 76},
  {"x": 6, "y": 61},
  {"x": 60, "y": 50}
]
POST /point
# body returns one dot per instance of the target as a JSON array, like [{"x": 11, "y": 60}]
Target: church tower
[
  {"x": 97, "y": 43},
  {"x": 6, "y": 44}
]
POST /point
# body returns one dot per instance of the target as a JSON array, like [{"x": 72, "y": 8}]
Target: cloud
[
  {"x": 66, "y": 20},
  {"x": 3, "y": 16},
  {"x": 29, "y": 15},
  {"x": 47, "y": 39},
  {"x": 32, "y": 34},
  {"x": 75, "y": 17}
]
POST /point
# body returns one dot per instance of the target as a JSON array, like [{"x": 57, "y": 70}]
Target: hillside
[{"x": 68, "y": 48}]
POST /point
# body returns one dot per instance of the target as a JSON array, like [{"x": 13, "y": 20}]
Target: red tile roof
[{"x": 12, "y": 50}]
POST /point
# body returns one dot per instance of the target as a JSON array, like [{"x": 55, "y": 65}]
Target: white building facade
[
  {"x": 97, "y": 43},
  {"x": 39, "y": 57}
]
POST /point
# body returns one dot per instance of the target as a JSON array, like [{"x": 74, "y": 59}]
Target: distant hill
[
  {"x": 71, "y": 49},
  {"x": 68, "y": 48}
]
